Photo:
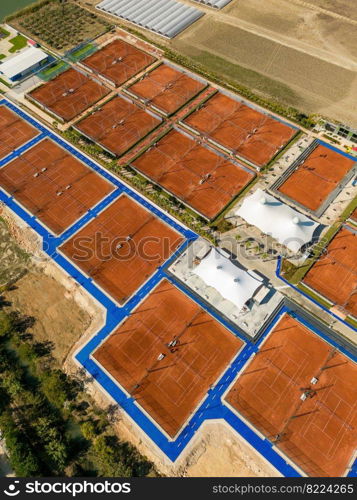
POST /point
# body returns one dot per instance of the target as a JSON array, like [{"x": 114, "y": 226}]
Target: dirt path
[
  {"x": 308, "y": 15},
  {"x": 288, "y": 41},
  {"x": 344, "y": 5}
]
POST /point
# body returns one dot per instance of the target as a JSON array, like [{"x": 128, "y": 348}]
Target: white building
[
  {"x": 285, "y": 224},
  {"x": 23, "y": 64},
  {"x": 232, "y": 282},
  {"x": 244, "y": 297}
]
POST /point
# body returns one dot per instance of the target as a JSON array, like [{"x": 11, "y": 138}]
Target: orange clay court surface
[
  {"x": 169, "y": 389},
  {"x": 334, "y": 275},
  {"x": 118, "y": 61},
  {"x": 69, "y": 94},
  {"x": 318, "y": 434},
  {"x": 118, "y": 125},
  {"x": 167, "y": 88},
  {"x": 237, "y": 127},
  {"x": 120, "y": 267},
  {"x": 201, "y": 178},
  {"x": 14, "y": 131},
  {"x": 316, "y": 177},
  {"x": 53, "y": 185}
]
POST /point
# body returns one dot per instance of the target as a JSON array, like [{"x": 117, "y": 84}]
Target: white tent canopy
[
  {"x": 230, "y": 281},
  {"x": 288, "y": 226},
  {"x": 22, "y": 62}
]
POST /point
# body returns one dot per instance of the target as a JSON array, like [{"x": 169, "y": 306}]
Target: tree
[
  {"x": 89, "y": 430},
  {"x": 107, "y": 458},
  {"x": 6, "y": 324},
  {"x": 22, "y": 459}
]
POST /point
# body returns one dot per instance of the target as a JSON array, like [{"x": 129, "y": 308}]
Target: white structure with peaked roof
[
  {"x": 232, "y": 282},
  {"x": 23, "y": 63},
  {"x": 242, "y": 296},
  {"x": 285, "y": 224}
]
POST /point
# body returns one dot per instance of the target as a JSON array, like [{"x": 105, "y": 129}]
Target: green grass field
[{"x": 18, "y": 42}]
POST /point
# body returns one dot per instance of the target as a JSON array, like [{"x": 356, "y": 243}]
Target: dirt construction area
[{"x": 301, "y": 53}]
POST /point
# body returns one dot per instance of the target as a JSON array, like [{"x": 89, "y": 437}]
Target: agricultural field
[
  {"x": 282, "y": 50},
  {"x": 61, "y": 26},
  {"x": 340, "y": 7}
]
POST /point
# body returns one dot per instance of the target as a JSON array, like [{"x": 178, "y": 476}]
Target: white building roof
[
  {"x": 288, "y": 226},
  {"x": 23, "y": 61},
  {"x": 165, "y": 17},
  {"x": 217, "y": 4},
  {"x": 233, "y": 283}
]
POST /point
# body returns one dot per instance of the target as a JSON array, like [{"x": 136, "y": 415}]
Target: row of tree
[{"x": 48, "y": 424}]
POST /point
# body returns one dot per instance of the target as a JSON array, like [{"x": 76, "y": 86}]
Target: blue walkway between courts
[
  {"x": 17, "y": 152},
  {"x": 212, "y": 406}
]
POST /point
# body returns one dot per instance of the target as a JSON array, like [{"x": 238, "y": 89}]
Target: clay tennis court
[
  {"x": 14, "y": 131},
  {"x": 319, "y": 434},
  {"x": 122, "y": 247},
  {"x": 118, "y": 61},
  {"x": 244, "y": 131},
  {"x": 202, "y": 179},
  {"x": 68, "y": 95},
  {"x": 118, "y": 125},
  {"x": 168, "y": 381},
  {"x": 53, "y": 185},
  {"x": 334, "y": 275},
  {"x": 166, "y": 89},
  {"x": 316, "y": 177}
]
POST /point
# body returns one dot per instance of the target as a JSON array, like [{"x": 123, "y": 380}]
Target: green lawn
[
  {"x": 18, "y": 42},
  {"x": 5, "y": 83},
  {"x": 52, "y": 71},
  {"x": 4, "y": 33},
  {"x": 315, "y": 296},
  {"x": 2, "y": 56},
  {"x": 83, "y": 52}
]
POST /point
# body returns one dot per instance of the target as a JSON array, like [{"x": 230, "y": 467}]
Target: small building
[
  {"x": 243, "y": 296},
  {"x": 23, "y": 64},
  {"x": 232, "y": 282},
  {"x": 285, "y": 224}
]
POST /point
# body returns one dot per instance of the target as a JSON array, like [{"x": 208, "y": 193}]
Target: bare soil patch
[
  {"x": 58, "y": 319},
  {"x": 297, "y": 54}
]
